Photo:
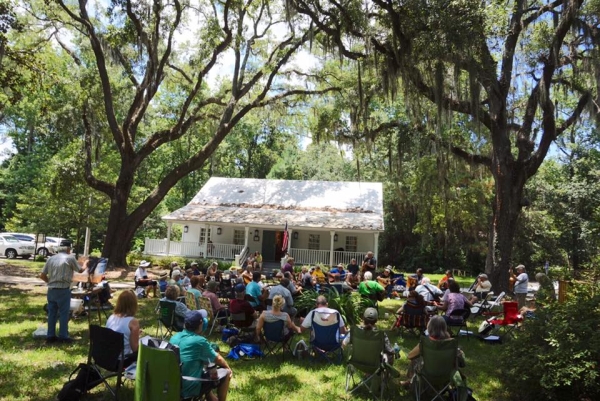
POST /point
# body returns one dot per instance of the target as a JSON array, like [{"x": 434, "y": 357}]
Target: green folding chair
[
  {"x": 439, "y": 370},
  {"x": 366, "y": 368},
  {"x": 157, "y": 375}
]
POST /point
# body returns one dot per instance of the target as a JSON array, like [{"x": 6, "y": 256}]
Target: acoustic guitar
[{"x": 512, "y": 280}]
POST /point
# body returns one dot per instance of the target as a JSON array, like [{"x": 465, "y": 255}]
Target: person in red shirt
[{"x": 241, "y": 305}]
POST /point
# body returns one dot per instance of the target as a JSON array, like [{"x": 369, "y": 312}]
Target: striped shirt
[{"x": 59, "y": 269}]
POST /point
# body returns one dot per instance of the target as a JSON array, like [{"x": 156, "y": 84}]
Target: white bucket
[{"x": 76, "y": 305}]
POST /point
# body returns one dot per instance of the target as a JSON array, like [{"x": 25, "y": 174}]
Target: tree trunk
[{"x": 509, "y": 179}]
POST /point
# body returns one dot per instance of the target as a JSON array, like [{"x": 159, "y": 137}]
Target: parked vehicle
[
  {"x": 11, "y": 247},
  {"x": 51, "y": 246}
]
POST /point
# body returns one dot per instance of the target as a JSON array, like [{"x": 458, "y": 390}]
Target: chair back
[
  {"x": 325, "y": 337},
  {"x": 439, "y": 359},
  {"x": 459, "y": 316},
  {"x": 366, "y": 348},
  {"x": 190, "y": 301},
  {"x": 204, "y": 303},
  {"x": 273, "y": 331},
  {"x": 158, "y": 377},
  {"x": 414, "y": 316},
  {"x": 499, "y": 298},
  {"x": 166, "y": 310},
  {"x": 106, "y": 348},
  {"x": 511, "y": 312},
  {"x": 239, "y": 319}
]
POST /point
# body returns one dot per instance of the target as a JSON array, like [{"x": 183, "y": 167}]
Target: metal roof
[{"x": 303, "y": 204}]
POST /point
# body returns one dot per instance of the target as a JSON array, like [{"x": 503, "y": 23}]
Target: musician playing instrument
[
  {"x": 337, "y": 274},
  {"x": 369, "y": 263},
  {"x": 385, "y": 279}
]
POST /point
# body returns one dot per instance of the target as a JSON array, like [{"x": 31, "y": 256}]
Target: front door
[{"x": 268, "y": 246}]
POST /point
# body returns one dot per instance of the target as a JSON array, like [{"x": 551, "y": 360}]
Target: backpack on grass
[{"x": 86, "y": 379}]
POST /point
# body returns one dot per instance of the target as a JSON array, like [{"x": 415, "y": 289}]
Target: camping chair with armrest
[
  {"x": 273, "y": 338},
  {"x": 439, "y": 370},
  {"x": 459, "y": 318},
  {"x": 366, "y": 367},
  {"x": 510, "y": 320},
  {"x": 325, "y": 341},
  {"x": 413, "y": 319},
  {"x": 106, "y": 356},
  {"x": 204, "y": 303},
  {"x": 158, "y": 376},
  {"x": 166, "y": 319}
]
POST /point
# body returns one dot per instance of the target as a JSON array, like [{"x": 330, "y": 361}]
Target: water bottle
[{"x": 396, "y": 350}]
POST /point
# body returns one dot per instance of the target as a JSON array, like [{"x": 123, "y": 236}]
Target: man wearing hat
[
  {"x": 370, "y": 317},
  {"x": 521, "y": 286},
  {"x": 58, "y": 274},
  {"x": 195, "y": 352},
  {"x": 483, "y": 286},
  {"x": 337, "y": 274},
  {"x": 386, "y": 280},
  {"x": 240, "y": 305},
  {"x": 142, "y": 280},
  {"x": 195, "y": 269}
]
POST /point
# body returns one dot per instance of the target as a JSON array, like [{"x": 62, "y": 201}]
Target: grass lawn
[{"x": 30, "y": 370}]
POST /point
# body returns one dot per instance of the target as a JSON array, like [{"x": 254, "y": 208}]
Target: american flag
[{"x": 285, "y": 238}]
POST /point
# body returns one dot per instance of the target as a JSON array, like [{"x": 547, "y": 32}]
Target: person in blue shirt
[
  {"x": 337, "y": 274},
  {"x": 195, "y": 352},
  {"x": 258, "y": 293}
]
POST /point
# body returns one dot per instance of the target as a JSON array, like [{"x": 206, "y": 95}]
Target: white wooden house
[{"x": 328, "y": 222}]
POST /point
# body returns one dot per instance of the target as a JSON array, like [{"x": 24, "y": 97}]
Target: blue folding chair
[
  {"x": 274, "y": 339},
  {"x": 325, "y": 342}
]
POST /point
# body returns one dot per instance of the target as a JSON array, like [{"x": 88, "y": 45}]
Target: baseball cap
[
  {"x": 144, "y": 263},
  {"x": 341, "y": 265},
  {"x": 240, "y": 287},
  {"x": 483, "y": 275},
  {"x": 194, "y": 318},
  {"x": 371, "y": 313},
  {"x": 388, "y": 268},
  {"x": 175, "y": 272}
]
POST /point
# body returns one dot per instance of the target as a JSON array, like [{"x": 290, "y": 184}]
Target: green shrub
[
  {"x": 557, "y": 353},
  {"x": 349, "y": 304}
]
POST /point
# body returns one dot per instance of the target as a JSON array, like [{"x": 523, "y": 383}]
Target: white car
[
  {"x": 51, "y": 246},
  {"x": 11, "y": 247}
]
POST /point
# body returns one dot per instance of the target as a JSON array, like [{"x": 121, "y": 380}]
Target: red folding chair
[{"x": 510, "y": 319}]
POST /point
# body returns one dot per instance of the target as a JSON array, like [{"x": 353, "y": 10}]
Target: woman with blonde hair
[
  {"x": 123, "y": 321},
  {"x": 276, "y": 314}
]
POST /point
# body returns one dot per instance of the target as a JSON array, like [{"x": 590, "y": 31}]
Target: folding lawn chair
[
  {"x": 438, "y": 370},
  {"x": 166, "y": 319},
  {"x": 239, "y": 321},
  {"x": 158, "y": 376},
  {"x": 105, "y": 357},
  {"x": 274, "y": 339},
  {"x": 479, "y": 307},
  {"x": 365, "y": 367},
  {"x": 413, "y": 319},
  {"x": 492, "y": 307},
  {"x": 510, "y": 320},
  {"x": 190, "y": 301},
  {"x": 204, "y": 303},
  {"x": 325, "y": 341}
]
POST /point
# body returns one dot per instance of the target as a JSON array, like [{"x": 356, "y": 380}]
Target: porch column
[
  {"x": 208, "y": 237},
  {"x": 246, "y": 231},
  {"x": 331, "y": 233},
  {"x": 290, "y": 232},
  {"x": 376, "y": 245},
  {"x": 205, "y": 245},
  {"x": 168, "y": 248}
]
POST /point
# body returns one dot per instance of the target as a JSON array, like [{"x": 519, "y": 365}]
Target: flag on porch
[{"x": 285, "y": 238}]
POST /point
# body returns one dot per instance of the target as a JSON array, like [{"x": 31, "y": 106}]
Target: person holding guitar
[
  {"x": 369, "y": 263},
  {"x": 337, "y": 274},
  {"x": 521, "y": 284},
  {"x": 385, "y": 279},
  {"x": 247, "y": 275}
]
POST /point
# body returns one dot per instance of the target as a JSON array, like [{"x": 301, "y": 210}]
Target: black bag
[{"x": 86, "y": 379}]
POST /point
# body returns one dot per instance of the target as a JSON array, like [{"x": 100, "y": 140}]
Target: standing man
[
  {"x": 369, "y": 263},
  {"x": 521, "y": 285},
  {"x": 58, "y": 273}
]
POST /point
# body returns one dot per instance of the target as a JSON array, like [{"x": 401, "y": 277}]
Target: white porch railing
[
  {"x": 239, "y": 259},
  {"x": 346, "y": 257},
  {"x": 158, "y": 247},
  {"x": 311, "y": 256}
]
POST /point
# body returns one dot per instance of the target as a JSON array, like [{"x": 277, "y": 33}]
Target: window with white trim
[
  {"x": 351, "y": 243},
  {"x": 203, "y": 235},
  {"x": 238, "y": 237},
  {"x": 314, "y": 241}
]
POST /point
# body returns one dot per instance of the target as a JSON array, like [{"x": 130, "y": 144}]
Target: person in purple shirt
[{"x": 289, "y": 266}]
